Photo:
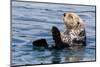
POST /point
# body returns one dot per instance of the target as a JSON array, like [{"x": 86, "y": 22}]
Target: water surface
[{"x": 31, "y": 21}]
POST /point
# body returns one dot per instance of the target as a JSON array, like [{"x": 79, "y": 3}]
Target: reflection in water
[
  {"x": 73, "y": 58},
  {"x": 69, "y": 56},
  {"x": 56, "y": 57},
  {"x": 77, "y": 55}
]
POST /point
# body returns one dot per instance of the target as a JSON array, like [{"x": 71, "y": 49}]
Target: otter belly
[{"x": 73, "y": 39}]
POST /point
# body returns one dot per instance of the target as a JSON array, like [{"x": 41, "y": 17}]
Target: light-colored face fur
[{"x": 72, "y": 20}]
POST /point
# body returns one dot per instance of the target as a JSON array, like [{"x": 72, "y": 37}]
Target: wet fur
[{"x": 74, "y": 36}]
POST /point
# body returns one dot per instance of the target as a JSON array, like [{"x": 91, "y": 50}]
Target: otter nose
[{"x": 64, "y": 14}]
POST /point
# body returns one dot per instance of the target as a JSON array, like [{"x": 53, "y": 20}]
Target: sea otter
[{"x": 73, "y": 37}]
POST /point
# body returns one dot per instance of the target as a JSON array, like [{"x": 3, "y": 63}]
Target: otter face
[{"x": 71, "y": 20}]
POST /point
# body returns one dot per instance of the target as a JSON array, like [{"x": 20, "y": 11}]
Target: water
[{"x": 32, "y": 21}]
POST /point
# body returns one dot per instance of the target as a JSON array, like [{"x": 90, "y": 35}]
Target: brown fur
[
  {"x": 75, "y": 30},
  {"x": 73, "y": 37}
]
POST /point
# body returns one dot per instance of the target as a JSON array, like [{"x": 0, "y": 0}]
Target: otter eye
[{"x": 64, "y": 14}]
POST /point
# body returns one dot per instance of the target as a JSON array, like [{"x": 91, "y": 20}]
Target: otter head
[{"x": 72, "y": 20}]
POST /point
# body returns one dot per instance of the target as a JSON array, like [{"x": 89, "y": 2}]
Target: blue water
[{"x": 32, "y": 21}]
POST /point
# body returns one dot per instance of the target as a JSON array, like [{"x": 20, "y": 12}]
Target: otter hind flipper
[
  {"x": 56, "y": 34},
  {"x": 40, "y": 43},
  {"x": 57, "y": 38}
]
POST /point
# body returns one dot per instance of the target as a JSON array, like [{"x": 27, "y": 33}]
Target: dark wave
[
  {"x": 17, "y": 40},
  {"x": 23, "y": 7},
  {"x": 37, "y": 20}
]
